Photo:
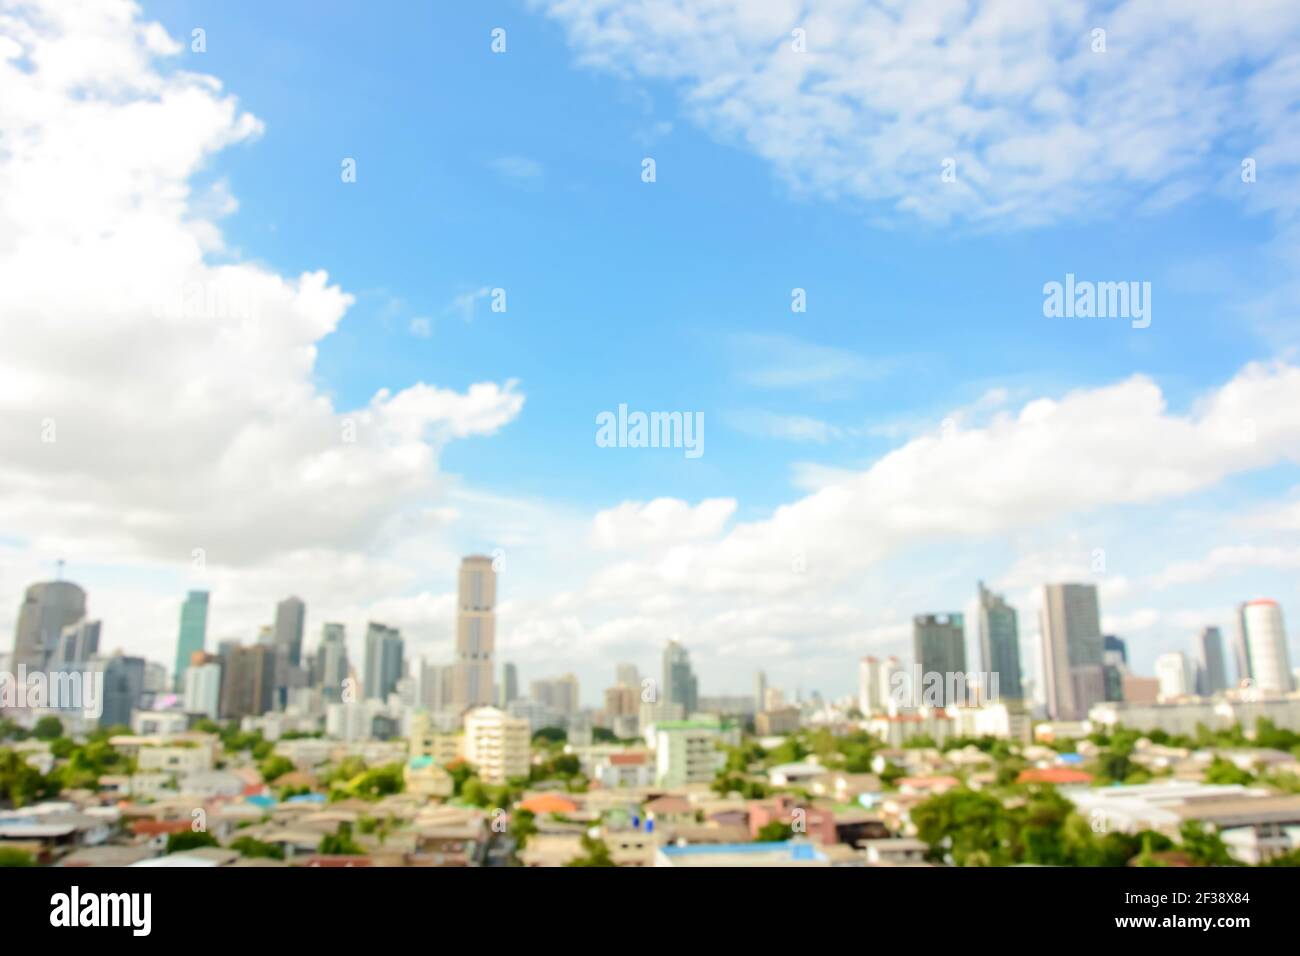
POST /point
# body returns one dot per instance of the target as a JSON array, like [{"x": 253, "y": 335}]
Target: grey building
[
  {"x": 1213, "y": 672},
  {"x": 247, "y": 684},
  {"x": 999, "y": 631},
  {"x": 509, "y": 690},
  {"x": 77, "y": 645},
  {"x": 123, "y": 685},
  {"x": 1072, "y": 650},
  {"x": 939, "y": 646},
  {"x": 384, "y": 650},
  {"x": 476, "y": 630},
  {"x": 46, "y": 610},
  {"x": 331, "y": 668},
  {"x": 680, "y": 685},
  {"x": 289, "y": 617}
]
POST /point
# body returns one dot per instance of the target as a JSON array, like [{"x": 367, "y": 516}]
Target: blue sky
[{"x": 824, "y": 430}]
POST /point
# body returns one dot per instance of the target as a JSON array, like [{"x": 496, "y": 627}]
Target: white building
[
  {"x": 1263, "y": 637},
  {"x": 497, "y": 744},
  {"x": 1174, "y": 675},
  {"x": 203, "y": 690}
]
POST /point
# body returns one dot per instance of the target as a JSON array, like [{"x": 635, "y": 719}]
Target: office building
[
  {"x": 1214, "y": 673},
  {"x": 686, "y": 752},
  {"x": 248, "y": 682},
  {"x": 1114, "y": 650},
  {"x": 680, "y": 686},
  {"x": 509, "y": 689},
  {"x": 939, "y": 643},
  {"x": 560, "y": 694},
  {"x": 384, "y": 649},
  {"x": 475, "y": 632},
  {"x": 1174, "y": 674},
  {"x": 123, "y": 685},
  {"x": 289, "y": 617},
  {"x": 331, "y": 668},
  {"x": 1263, "y": 636},
  {"x": 46, "y": 610},
  {"x": 999, "y": 634},
  {"x": 1072, "y": 649},
  {"x": 203, "y": 685},
  {"x": 627, "y": 674},
  {"x": 77, "y": 645},
  {"x": 192, "y": 635}
]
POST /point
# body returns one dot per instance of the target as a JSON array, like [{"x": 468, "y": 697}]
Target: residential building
[
  {"x": 686, "y": 752},
  {"x": 332, "y": 662},
  {"x": 1265, "y": 643},
  {"x": 680, "y": 685},
  {"x": 384, "y": 648},
  {"x": 203, "y": 686},
  {"x": 560, "y": 694},
  {"x": 497, "y": 745},
  {"x": 939, "y": 645},
  {"x": 248, "y": 684},
  {"x": 1174, "y": 675}
]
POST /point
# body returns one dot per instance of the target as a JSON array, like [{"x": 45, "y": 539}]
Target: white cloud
[
  {"x": 659, "y": 522},
  {"x": 1041, "y": 127}
]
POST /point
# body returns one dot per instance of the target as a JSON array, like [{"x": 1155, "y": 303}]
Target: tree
[
  {"x": 22, "y": 783},
  {"x": 594, "y": 853},
  {"x": 340, "y": 843},
  {"x": 1204, "y": 845},
  {"x": 11, "y": 857},
  {"x": 274, "y": 767},
  {"x": 523, "y": 824},
  {"x": 254, "y": 848},
  {"x": 190, "y": 840},
  {"x": 1225, "y": 771},
  {"x": 971, "y": 826},
  {"x": 774, "y": 832},
  {"x": 48, "y": 728}
]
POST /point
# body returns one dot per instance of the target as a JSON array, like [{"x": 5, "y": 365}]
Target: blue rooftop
[{"x": 798, "y": 850}]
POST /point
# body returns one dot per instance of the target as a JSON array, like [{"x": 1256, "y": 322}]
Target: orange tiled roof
[
  {"x": 548, "y": 803},
  {"x": 1053, "y": 775}
]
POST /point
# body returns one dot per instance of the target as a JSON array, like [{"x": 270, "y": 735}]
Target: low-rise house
[
  {"x": 795, "y": 774},
  {"x": 551, "y": 849},
  {"x": 900, "y": 851},
  {"x": 846, "y": 787}
]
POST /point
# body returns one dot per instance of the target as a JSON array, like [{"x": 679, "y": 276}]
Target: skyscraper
[
  {"x": 332, "y": 661},
  {"x": 1174, "y": 674},
  {"x": 680, "y": 685},
  {"x": 289, "y": 616},
  {"x": 77, "y": 645},
  {"x": 1214, "y": 672},
  {"x": 558, "y": 693},
  {"x": 509, "y": 685},
  {"x": 123, "y": 685},
  {"x": 939, "y": 645},
  {"x": 1264, "y": 640},
  {"x": 437, "y": 687},
  {"x": 383, "y": 660},
  {"x": 999, "y": 631},
  {"x": 760, "y": 692},
  {"x": 475, "y": 632},
  {"x": 627, "y": 674},
  {"x": 46, "y": 610},
  {"x": 1113, "y": 650},
  {"x": 247, "y": 681},
  {"x": 193, "y": 633},
  {"x": 1072, "y": 648}
]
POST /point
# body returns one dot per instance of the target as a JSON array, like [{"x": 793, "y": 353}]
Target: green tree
[
  {"x": 1223, "y": 771},
  {"x": 340, "y": 843},
  {"x": 256, "y": 849},
  {"x": 594, "y": 853},
  {"x": 190, "y": 840},
  {"x": 1204, "y": 845},
  {"x": 774, "y": 831},
  {"x": 11, "y": 857},
  {"x": 523, "y": 824},
  {"x": 971, "y": 826},
  {"x": 274, "y": 767},
  {"x": 47, "y": 728}
]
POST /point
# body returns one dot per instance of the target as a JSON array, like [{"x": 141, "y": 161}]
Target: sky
[{"x": 320, "y": 298}]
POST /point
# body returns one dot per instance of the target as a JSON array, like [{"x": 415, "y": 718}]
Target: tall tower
[
  {"x": 1215, "y": 673},
  {"x": 939, "y": 644},
  {"x": 1072, "y": 648},
  {"x": 289, "y": 615},
  {"x": 1000, "y": 642},
  {"x": 46, "y": 610},
  {"x": 193, "y": 633},
  {"x": 384, "y": 651},
  {"x": 680, "y": 686},
  {"x": 476, "y": 632},
  {"x": 1264, "y": 638}
]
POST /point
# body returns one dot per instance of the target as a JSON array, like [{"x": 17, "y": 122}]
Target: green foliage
[
  {"x": 1204, "y": 845},
  {"x": 190, "y": 840},
  {"x": 255, "y": 849},
  {"x": 47, "y": 728},
  {"x": 340, "y": 843},
  {"x": 11, "y": 857},
  {"x": 774, "y": 832},
  {"x": 548, "y": 736},
  {"x": 523, "y": 824},
  {"x": 274, "y": 767},
  {"x": 594, "y": 853},
  {"x": 732, "y": 783},
  {"x": 21, "y": 783},
  {"x": 1226, "y": 772}
]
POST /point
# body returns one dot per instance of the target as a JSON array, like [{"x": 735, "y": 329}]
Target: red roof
[
  {"x": 155, "y": 827},
  {"x": 627, "y": 759},
  {"x": 1053, "y": 775},
  {"x": 548, "y": 803},
  {"x": 338, "y": 861}
]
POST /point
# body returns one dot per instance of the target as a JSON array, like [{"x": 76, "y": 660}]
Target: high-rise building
[
  {"x": 383, "y": 660},
  {"x": 1072, "y": 648},
  {"x": 123, "y": 685},
  {"x": 193, "y": 633},
  {"x": 873, "y": 688},
  {"x": 247, "y": 688},
  {"x": 558, "y": 693},
  {"x": 77, "y": 645},
  {"x": 475, "y": 632},
  {"x": 1263, "y": 636},
  {"x": 999, "y": 631},
  {"x": 680, "y": 686},
  {"x": 509, "y": 685},
  {"x": 760, "y": 691},
  {"x": 1174, "y": 675},
  {"x": 438, "y": 687},
  {"x": 1214, "y": 673},
  {"x": 331, "y": 668},
  {"x": 1113, "y": 650},
  {"x": 289, "y": 616},
  {"x": 622, "y": 700},
  {"x": 627, "y": 674},
  {"x": 497, "y": 745},
  {"x": 46, "y": 610},
  {"x": 203, "y": 685},
  {"x": 939, "y": 643}
]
